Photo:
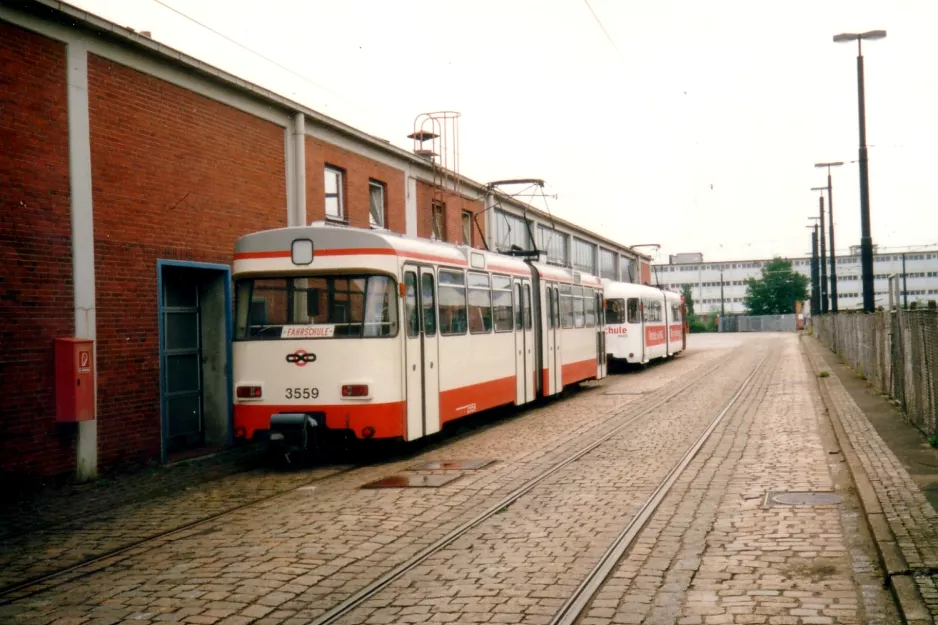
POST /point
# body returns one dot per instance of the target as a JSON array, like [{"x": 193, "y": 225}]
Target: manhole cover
[
  {"x": 412, "y": 481},
  {"x": 463, "y": 465},
  {"x": 802, "y": 499}
]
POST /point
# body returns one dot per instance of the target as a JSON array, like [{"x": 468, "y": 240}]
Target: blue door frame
[{"x": 226, "y": 270}]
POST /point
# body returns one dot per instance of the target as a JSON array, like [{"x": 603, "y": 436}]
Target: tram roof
[{"x": 337, "y": 240}]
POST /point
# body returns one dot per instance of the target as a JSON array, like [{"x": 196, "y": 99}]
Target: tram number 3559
[{"x": 302, "y": 393}]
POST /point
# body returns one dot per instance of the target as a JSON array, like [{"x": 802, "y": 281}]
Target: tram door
[
  {"x": 552, "y": 363},
  {"x": 524, "y": 341},
  {"x": 600, "y": 337},
  {"x": 421, "y": 359}
]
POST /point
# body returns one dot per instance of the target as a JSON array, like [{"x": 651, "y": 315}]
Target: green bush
[{"x": 703, "y": 323}]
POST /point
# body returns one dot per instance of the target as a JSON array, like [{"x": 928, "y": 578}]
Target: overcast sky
[{"x": 697, "y": 126}]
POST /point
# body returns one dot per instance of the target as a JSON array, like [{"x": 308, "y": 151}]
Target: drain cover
[
  {"x": 802, "y": 499},
  {"x": 464, "y": 465},
  {"x": 412, "y": 481}
]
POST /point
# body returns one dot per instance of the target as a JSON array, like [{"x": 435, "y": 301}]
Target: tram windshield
[{"x": 322, "y": 306}]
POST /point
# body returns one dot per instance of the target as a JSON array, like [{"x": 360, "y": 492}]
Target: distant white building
[{"x": 918, "y": 281}]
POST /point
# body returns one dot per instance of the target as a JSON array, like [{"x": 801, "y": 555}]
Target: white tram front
[
  {"x": 642, "y": 322},
  {"x": 385, "y": 336}
]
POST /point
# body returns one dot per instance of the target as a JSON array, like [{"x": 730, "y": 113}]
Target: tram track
[
  {"x": 52, "y": 579},
  {"x": 622, "y": 542}
]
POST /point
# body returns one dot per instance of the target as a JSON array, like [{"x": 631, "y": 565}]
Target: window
[
  {"x": 335, "y": 208},
  {"x": 675, "y": 313},
  {"x": 527, "y": 307},
  {"x": 554, "y": 243},
  {"x": 584, "y": 256},
  {"x": 652, "y": 310},
  {"x": 480, "y": 304},
  {"x": 607, "y": 264},
  {"x": 519, "y": 312},
  {"x": 615, "y": 311},
  {"x": 429, "y": 310},
  {"x": 439, "y": 221},
  {"x": 501, "y": 298},
  {"x": 510, "y": 231},
  {"x": 633, "y": 309},
  {"x": 376, "y": 194},
  {"x": 566, "y": 306},
  {"x": 589, "y": 304},
  {"x": 410, "y": 304},
  {"x": 555, "y": 307},
  {"x": 452, "y": 302},
  {"x": 316, "y": 307},
  {"x": 466, "y": 228},
  {"x": 579, "y": 314}
]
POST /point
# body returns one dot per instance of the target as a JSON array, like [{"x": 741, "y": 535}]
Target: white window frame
[
  {"x": 340, "y": 199},
  {"x": 373, "y": 186}
]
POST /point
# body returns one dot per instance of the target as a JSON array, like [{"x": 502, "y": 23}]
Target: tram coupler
[{"x": 292, "y": 431}]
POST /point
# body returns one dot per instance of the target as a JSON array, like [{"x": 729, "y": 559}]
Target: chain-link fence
[
  {"x": 897, "y": 351},
  {"x": 759, "y": 323}
]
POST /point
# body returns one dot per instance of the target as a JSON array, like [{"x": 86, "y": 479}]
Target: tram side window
[
  {"x": 589, "y": 303},
  {"x": 380, "y": 307},
  {"x": 675, "y": 313},
  {"x": 480, "y": 304},
  {"x": 519, "y": 313},
  {"x": 615, "y": 311},
  {"x": 555, "y": 306},
  {"x": 410, "y": 304},
  {"x": 579, "y": 315},
  {"x": 452, "y": 302},
  {"x": 429, "y": 308},
  {"x": 633, "y": 310},
  {"x": 652, "y": 310},
  {"x": 566, "y": 306},
  {"x": 501, "y": 298}
]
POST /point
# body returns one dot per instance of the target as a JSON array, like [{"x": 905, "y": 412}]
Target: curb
[{"x": 897, "y": 575}]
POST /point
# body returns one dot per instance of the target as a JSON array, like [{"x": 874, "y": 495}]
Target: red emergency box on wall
[{"x": 74, "y": 379}]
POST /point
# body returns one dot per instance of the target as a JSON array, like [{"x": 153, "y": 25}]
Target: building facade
[
  {"x": 128, "y": 170},
  {"x": 721, "y": 285}
]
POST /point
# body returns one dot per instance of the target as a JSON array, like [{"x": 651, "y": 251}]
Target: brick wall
[
  {"x": 35, "y": 252},
  {"x": 357, "y": 172},
  {"x": 175, "y": 176},
  {"x": 454, "y": 205}
]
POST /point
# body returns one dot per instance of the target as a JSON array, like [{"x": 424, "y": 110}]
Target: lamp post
[
  {"x": 823, "y": 259},
  {"x": 866, "y": 240},
  {"x": 830, "y": 220},
  {"x": 815, "y": 287}
]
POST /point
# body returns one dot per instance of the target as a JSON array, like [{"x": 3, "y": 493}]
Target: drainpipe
[{"x": 298, "y": 136}]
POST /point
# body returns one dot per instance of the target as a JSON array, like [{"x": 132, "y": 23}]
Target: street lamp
[
  {"x": 823, "y": 259},
  {"x": 866, "y": 240},
  {"x": 830, "y": 214}
]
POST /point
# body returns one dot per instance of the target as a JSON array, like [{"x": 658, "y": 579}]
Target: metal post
[
  {"x": 722, "y": 308},
  {"x": 905, "y": 285},
  {"x": 866, "y": 240},
  {"x": 823, "y": 259},
  {"x": 815, "y": 291},
  {"x": 830, "y": 213}
]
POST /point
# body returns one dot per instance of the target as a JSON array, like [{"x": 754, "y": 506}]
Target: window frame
[
  {"x": 434, "y": 205},
  {"x": 465, "y": 300},
  {"x": 339, "y": 195},
  {"x": 383, "y": 188},
  {"x": 504, "y": 290},
  {"x": 487, "y": 289},
  {"x": 466, "y": 217}
]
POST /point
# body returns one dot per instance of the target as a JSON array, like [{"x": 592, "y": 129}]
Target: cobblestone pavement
[
  {"x": 716, "y": 553},
  {"x": 712, "y": 545},
  {"x": 521, "y": 445},
  {"x": 910, "y": 521}
]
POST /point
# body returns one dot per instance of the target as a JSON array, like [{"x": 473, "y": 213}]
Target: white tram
[
  {"x": 642, "y": 322},
  {"x": 387, "y": 336}
]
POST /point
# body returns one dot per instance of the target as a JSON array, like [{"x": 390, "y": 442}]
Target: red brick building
[{"x": 127, "y": 171}]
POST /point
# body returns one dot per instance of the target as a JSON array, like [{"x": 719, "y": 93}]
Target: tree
[
  {"x": 688, "y": 300},
  {"x": 776, "y": 292}
]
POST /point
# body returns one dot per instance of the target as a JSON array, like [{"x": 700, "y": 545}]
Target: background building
[
  {"x": 128, "y": 170},
  {"x": 917, "y": 271}
]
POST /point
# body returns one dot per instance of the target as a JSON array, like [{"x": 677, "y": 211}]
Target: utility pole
[
  {"x": 722, "y": 308},
  {"x": 823, "y": 259},
  {"x": 815, "y": 282},
  {"x": 905, "y": 285},
  {"x": 830, "y": 214}
]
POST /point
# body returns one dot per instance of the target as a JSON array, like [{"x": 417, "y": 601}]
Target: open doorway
[{"x": 195, "y": 357}]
